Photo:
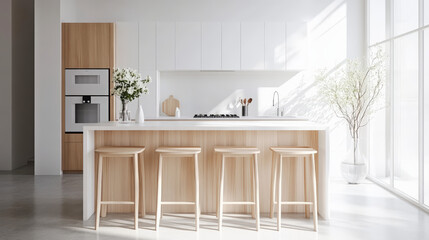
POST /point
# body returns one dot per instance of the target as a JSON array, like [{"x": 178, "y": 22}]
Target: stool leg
[
  {"x": 218, "y": 184},
  {"x": 143, "y": 188},
  {"x": 100, "y": 172},
  {"x": 273, "y": 184},
  {"x": 252, "y": 187},
  {"x": 307, "y": 207},
  {"x": 313, "y": 166},
  {"x": 256, "y": 179},
  {"x": 221, "y": 192},
  {"x": 159, "y": 194},
  {"x": 279, "y": 197},
  {"x": 103, "y": 210},
  {"x": 197, "y": 194},
  {"x": 136, "y": 192}
]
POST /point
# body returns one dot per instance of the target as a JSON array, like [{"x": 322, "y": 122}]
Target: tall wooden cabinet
[{"x": 84, "y": 45}]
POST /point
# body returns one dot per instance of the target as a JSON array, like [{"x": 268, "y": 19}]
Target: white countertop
[
  {"x": 208, "y": 125},
  {"x": 247, "y": 118}
]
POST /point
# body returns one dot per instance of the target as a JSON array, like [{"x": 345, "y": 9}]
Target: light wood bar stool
[
  {"x": 177, "y": 152},
  {"x": 118, "y": 152},
  {"x": 289, "y": 152},
  {"x": 234, "y": 152}
]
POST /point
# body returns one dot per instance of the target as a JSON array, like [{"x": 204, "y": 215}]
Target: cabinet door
[
  {"x": 231, "y": 46},
  {"x": 296, "y": 46},
  {"x": 275, "y": 46},
  {"x": 211, "y": 46},
  {"x": 252, "y": 46},
  {"x": 147, "y": 46},
  {"x": 87, "y": 45},
  {"x": 166, "y": 46},
  {"x": 188, "y": 46},
  {"x": 73, "y": 152},
  {"x": 127, "y": 45}
]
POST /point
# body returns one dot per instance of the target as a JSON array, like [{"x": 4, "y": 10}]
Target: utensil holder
[{"x": 244, "y": 112}]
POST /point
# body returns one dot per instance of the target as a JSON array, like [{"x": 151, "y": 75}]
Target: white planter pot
[{"x": 354, "y": 173}]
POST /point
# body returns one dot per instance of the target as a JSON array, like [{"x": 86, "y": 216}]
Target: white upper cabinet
[
  {"x": 166, "y": 46},
  {"x": 296, "y": 46},
  {"x": 188, "y": 46},
  {"x": 275, "y": 46},
  {"x": 252, "y": 46},
  {"x": 231, "y": 46},
  {"x": 147, "y": 46},
  {"x": 127, "y": 45},
  {"x": 211, "y": 46}
]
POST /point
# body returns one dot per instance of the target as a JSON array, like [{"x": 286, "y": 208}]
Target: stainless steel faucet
[{"x": 278, "y": 102}]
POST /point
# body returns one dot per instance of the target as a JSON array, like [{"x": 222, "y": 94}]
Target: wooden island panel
[{"x": 178, "y": 176}]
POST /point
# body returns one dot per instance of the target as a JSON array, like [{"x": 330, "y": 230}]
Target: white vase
[{"x": 139, "y": 113}]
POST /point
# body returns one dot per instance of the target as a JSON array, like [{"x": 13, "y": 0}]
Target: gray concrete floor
[{"x": 50, "y": 207}]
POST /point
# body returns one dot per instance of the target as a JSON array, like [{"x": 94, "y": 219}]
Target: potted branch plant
[
  {"x": 353, "y": 92},
  {"x": 129, "y": 85}
]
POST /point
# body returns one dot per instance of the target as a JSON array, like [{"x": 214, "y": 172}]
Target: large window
[
  {"x": 406, "y": 114},
  {"x": 399, "y": 133}
]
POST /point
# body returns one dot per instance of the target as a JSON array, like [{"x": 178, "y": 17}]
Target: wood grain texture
[
  {"x": 169, "y": 106},
  {"x": 87, "y": 45},
  {"x": 178, "y": 174},
  {"x": 73, "y": 153}
]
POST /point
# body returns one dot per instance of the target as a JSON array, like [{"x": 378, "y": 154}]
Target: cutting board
[{"x": 169, "y": 106}]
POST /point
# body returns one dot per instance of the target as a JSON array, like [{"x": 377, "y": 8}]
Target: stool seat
[
  {"x": 237, "y": 150},
  {"x": 120, "y": 150},
  {"x": 294, "y": 150},
  {"x": 179, "y": 150}
]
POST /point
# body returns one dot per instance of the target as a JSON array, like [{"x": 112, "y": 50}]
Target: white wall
[
  {"x": 47, "y": 81},
  {"x": 6, "y": 85},
  {"x": 190, "y": 10},
  {"x": 217, "y": 92}
]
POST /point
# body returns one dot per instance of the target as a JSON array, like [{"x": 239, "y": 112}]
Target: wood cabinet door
[
  {"x": 73, "y": 152},
  {"x": 87, "y": 45}
]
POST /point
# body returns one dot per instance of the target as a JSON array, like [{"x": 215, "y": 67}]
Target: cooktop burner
[{"x": 216, "y": 116}]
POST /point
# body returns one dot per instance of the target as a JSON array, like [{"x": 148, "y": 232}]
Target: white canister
[{"x": 177, "y": 112}]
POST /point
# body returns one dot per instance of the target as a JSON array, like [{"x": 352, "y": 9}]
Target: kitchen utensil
[
  {"x": 249, "y": 101},
  {"x": 169, "y": 106},
  {"x": 245, "y": 100}
]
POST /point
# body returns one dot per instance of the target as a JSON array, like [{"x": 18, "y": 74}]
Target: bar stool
[
  {"x": 177, "y": 152},
  {"x": 233, "y": 152},
  {"x": 288, "y": 152},
  {"x": 118, "y": 152}
]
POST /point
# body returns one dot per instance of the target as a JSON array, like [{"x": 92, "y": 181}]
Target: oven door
[
  {"x": 87, "y": 82},
  {"x": 81, "y": 110}
]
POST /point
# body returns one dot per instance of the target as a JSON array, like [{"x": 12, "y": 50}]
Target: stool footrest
[
  {"x": 238, "y": 203},
  {"x": 178, "y": 203},
  {"x": 116, "y": 202},
  {"x": 295, "y": 203}
]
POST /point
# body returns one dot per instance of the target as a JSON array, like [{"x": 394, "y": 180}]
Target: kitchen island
[{"x": 178, "y": 174}]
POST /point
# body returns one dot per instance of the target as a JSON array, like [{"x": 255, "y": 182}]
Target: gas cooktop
[{"x": 216, "y": 116}]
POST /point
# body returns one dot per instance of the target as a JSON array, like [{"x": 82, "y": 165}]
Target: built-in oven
[{"x": 86, "y": 98}]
